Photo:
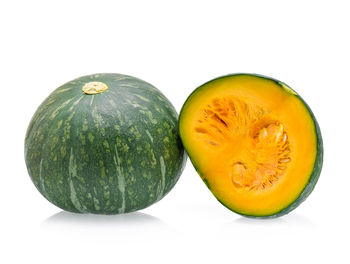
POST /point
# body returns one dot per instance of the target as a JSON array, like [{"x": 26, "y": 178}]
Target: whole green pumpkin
[{"x": 104, "y": 144}]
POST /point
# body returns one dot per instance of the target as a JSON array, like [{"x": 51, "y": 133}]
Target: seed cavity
[
  {"x": 255, "y": 144},
  {"x": 224, "y": 118},
  {"x": 201, "y": 130}
]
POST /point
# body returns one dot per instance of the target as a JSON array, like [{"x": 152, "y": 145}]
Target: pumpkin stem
[{"x": 94, "y": 87}]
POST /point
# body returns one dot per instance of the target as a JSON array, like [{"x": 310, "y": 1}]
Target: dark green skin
[
  {"x": 309, "y": 187},
  {"x": 114, "y": 152}
]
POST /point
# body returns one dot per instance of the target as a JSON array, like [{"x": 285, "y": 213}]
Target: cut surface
[
  {"x": 258, "y": 148},
  {"x": 252, "y": 140}
]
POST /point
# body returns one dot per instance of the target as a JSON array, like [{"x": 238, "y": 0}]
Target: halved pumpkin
[{"x": 254, "y": 142}]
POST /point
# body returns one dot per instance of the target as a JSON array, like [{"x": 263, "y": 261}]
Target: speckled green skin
[
  {"x": 114, "y": 152},
  {"x": 313, "y": 178}
]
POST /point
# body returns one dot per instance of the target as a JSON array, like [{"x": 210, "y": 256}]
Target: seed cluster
[{"x": 261, "y": 156}]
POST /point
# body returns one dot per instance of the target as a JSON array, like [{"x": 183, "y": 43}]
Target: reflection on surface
[
  {"x": 290, "y": 219},
  {"x": 123, "y": 220},
  {"x": 123, "y": 228},
  {"x": 299, "y": 219},
  {"x": 244, "y": 228},
  {"x": 257, "y": 221}
]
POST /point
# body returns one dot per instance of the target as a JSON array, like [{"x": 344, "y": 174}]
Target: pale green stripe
[
  {"x": 121, "y": 180},
  {"x": 149, "y": 135},
  {"x": 72, "y": 169},
  {"x": 161, "y": 186}
]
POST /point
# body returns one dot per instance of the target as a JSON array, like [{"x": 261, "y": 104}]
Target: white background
[{"x": 176, "y": 46}]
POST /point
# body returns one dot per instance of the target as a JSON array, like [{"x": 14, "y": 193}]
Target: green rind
[
  {"x": 113, "y": 152},
  {"x": 317, "y": 165}
]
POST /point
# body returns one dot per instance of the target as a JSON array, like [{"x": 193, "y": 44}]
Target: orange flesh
[{"x": 252, "y": 140}]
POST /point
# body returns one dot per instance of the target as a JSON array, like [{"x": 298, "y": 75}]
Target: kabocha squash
[
  {"x": 104, "y": 144},
  {"x": 254, "y": 142}
]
